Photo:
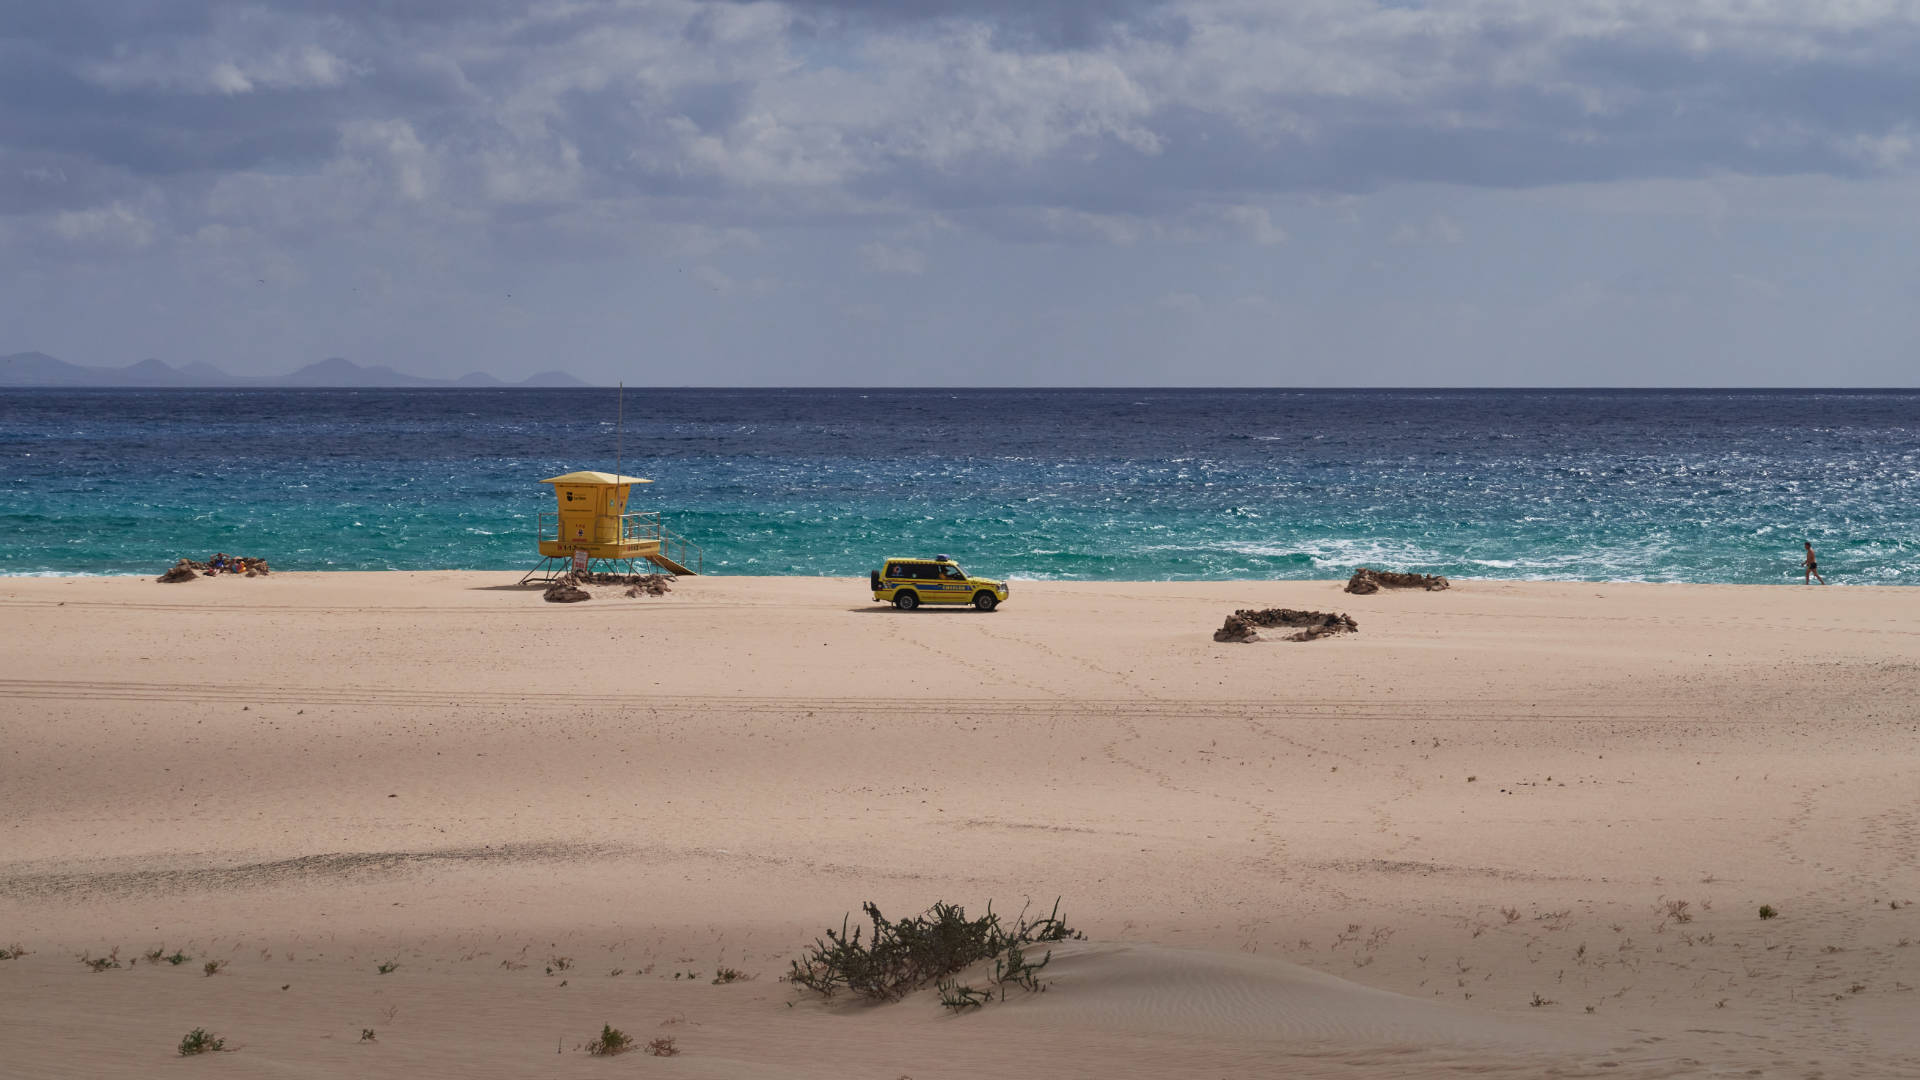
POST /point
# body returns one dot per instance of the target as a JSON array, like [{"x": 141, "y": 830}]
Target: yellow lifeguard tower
[{"x": 590, "y": 524}]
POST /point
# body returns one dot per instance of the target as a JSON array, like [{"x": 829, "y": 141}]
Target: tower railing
[
  {"x": 635, "y": 528},
  {"x": 682, "y": 550}
]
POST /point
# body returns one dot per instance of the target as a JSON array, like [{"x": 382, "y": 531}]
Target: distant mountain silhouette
[{"x": 39, "y": 369}]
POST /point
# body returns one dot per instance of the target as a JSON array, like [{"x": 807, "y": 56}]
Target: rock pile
[
  {"x": 1366, "y": 581},
  {"x": 566, "y": 588},
  {"x": 1243, "y": 626},
  {"x": 650, "y": 585},
  {"x": 221, "y": 563}
]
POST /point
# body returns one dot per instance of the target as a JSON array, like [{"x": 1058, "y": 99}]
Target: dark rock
[
  {"x": 649, "y": 584},
  {"x": 563, "y": 592},
  {"x": 181, "y": 571},
  {"x": 1365, "y": 581},
  {"x": 1237, "y": 630},
  {"x": 637, "y": 584},
  {"x": 1244, "y": 625}
]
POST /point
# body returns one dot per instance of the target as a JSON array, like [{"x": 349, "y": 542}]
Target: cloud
[
  {"x": 1437, "y": 231},
  {"x": 493, "y": 137},
  {"x": 1185, "y": 303},
  {"x": 1255, "y": 224},
  {"x": 1068, "y": 112},
  {"x": 889, "y": 259},
  {"x": 113, "y": 225},
  {"x": 194, "y": 70}
]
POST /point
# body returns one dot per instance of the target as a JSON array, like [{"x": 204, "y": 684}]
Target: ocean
[{"x": 1679, "y": 486}]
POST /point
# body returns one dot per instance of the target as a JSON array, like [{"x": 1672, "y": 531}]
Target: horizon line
[{"x": 1446, "y": 388}]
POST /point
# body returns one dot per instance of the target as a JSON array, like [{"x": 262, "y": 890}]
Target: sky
[{"x": 971, "y": 192}]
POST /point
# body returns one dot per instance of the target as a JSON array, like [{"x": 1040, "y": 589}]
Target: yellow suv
[{"x": 908, "y": 583}]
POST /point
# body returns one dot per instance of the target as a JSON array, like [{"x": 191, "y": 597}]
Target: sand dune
[{"x": 1504, "y": 829}]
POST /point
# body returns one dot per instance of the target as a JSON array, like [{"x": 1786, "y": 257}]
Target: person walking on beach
[{"x": 1812, "y": 565}]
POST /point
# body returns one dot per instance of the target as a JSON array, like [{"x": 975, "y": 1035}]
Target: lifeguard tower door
[
  {"x": 607, "y": 525},
  {"x": 577, "y": 513}
]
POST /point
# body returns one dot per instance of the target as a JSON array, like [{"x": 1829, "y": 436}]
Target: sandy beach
[{"x": 1506, "y": 829}]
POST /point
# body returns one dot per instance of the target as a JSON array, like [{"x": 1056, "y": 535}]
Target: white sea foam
[
  {"x": 70, "y": 573},
  {"x": 1331, "y": 552}
]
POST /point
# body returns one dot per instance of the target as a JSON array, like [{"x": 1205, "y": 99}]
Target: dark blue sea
[{"x": 1694, "y": 486}]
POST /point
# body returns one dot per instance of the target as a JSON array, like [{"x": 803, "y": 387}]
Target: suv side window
[
  {"x": 926, "y": 572},
  {"x": 896, "y": 570},
  {"x": 952, "y": 573}
]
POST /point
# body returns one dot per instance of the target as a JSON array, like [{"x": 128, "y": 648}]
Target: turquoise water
[{"x": 1701, "y": 486}]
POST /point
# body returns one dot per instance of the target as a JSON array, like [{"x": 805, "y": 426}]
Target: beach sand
[{"x": 1506, "y": 830}]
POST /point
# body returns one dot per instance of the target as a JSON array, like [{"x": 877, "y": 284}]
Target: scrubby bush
[
  {"x": 612, "y": 1041},
  {"x": 102, "y": 963},
  {"x": 905, "y": 955},
  {"x": 959, "y": 997},
  {"x": 200, "y": 1041}
]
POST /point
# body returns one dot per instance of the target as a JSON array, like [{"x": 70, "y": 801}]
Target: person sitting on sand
[{"x": 1812, "y": 565}]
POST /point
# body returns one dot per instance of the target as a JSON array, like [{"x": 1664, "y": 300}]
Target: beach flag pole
[{"x": 619, "y": 421}]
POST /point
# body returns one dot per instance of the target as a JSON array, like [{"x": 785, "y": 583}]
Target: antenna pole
[{"x": 619, "y": 422}]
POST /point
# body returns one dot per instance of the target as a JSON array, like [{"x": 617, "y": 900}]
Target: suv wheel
[
  {"x": 985, "y": 601},
  {"x": 906, "y": 601}
]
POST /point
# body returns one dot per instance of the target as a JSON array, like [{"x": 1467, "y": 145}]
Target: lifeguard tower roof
[{"x": 590, "y": 477}]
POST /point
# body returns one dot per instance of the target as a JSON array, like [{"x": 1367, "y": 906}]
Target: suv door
[
  {"x": 919, "y": 578},
  {"x": 953, "y": 584}
]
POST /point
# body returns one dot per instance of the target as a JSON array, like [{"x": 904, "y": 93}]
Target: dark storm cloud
[
  {"x": 812, "y": 107},
  {"x": 1017, "y": 24}
]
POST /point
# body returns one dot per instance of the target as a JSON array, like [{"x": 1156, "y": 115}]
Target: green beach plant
[
  {"x": 903, "y": 955},
  {"x": 1014, "y": 968},
  {"x": 201, "y": 1041},
  {"x": 958, "y": 997},
  {"x": 101, "y": 963},
  {"x": 612, "y": 1041}
]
